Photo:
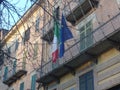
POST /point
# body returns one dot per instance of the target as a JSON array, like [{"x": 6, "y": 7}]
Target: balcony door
[{"x": 86, "y": 37}]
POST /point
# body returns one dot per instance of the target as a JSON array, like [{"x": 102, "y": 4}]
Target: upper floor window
[
  {"x": 26, "y": 36},
  {"x": 86, "y": 81},
  {"x": 14, "y": 66},
  {"x": 35, "y": 50},
  {"x": 86, "y": 38},
  {"x": 37, "y": 22}
]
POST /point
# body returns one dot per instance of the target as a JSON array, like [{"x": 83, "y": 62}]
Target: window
[
  {"x": 26, "y": 36},
  {"x": 24, "y": 61},
  {"x": 5, "y": 73},
  {"x": 86, "y": 38},
  {"x": 37, "y": 24},
  {"x": 33, "y": 82},
  {"x": 22, "y": 86},
  {"x": 35, "y": 50},
  {"x": 9, "y": 50},
  {"x": 86, "y": 81},
  {"x": 14, "y": 66}
]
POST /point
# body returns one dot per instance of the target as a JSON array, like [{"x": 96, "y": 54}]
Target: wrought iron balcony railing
[{"x": 104, "y": 37}]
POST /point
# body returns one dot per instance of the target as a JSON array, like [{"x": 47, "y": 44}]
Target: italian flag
[{"x": 55, "y": 43}]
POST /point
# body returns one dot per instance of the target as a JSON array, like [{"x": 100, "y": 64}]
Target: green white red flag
[{"x": 55, "y": 44}]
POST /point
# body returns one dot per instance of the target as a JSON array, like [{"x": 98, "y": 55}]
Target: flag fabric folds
[
  {"x": 55, "y": 43},
  {"x": 60, "y": 36},
  {"x": 65, "y": 34}
]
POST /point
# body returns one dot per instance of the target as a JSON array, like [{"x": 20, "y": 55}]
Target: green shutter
[
  {"x": 86, "y": 81},
  {"x": 22, "y": 86},
  {"x": 14, "y": 66},
  {"x": 33, "y": 82},
  {"x": 5, "y": 72},
  {"x": 86, "y": 37}
]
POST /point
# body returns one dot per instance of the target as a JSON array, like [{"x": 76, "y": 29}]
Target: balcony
[
  {"x": 105, "y": 37},
  {"x": 77, "y": 9},
  {"x": 48, "y": 31},
  {"x": 14, "y": 75}
]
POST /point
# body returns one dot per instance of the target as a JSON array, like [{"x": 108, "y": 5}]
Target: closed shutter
[
  {"x": 5, "y": 73},
  {"x": 14, "y": 66},
  {"x": 86, "y": 81},
  {"x": 22, "y": 86},
  {"x": 86, "y": 36},
  {"x": 33, "y": 82}
]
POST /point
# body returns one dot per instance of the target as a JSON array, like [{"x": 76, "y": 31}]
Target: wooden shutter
[
  {"x": 5, "y": 73},
  {"x": 22, "y": 86},
  {"x": 33, "y": 82},
  {"x": 86, "y": 81},
  {"x": 14, "y": 66}
]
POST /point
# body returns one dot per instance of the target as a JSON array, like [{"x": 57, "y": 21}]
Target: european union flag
[{"x": 65, "y": 34}]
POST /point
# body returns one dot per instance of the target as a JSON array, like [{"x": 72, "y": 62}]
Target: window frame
[
  {"x": 86, "y": 35},
  {"x": 85, "y": 78},
  {"x": 33, "y": 81}
]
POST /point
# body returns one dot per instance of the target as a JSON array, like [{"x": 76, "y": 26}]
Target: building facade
[
  {"x": 22, "y": 48},
  {"x": 92, "y": 59}
]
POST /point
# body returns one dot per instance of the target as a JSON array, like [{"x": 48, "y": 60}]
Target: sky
[{"x": 9, "y": 15}]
